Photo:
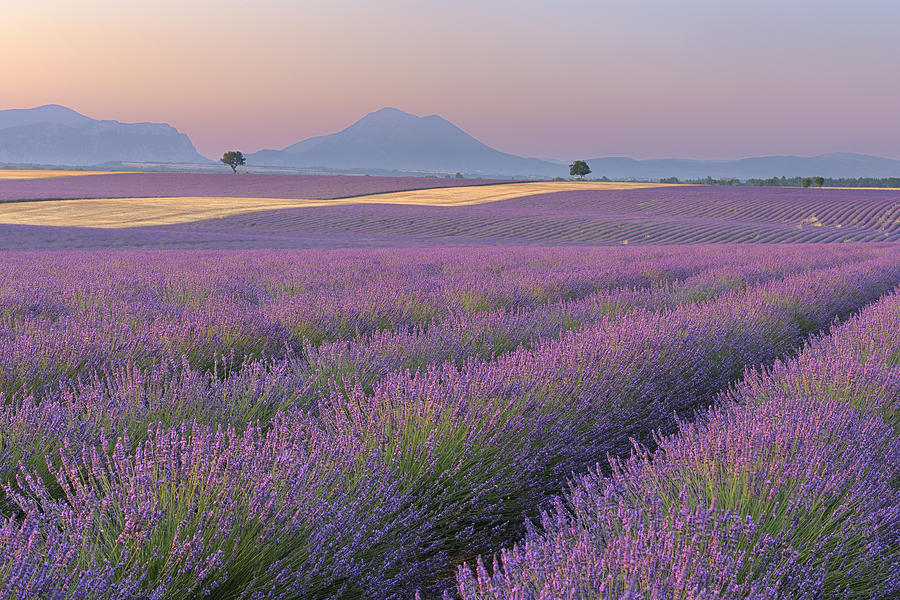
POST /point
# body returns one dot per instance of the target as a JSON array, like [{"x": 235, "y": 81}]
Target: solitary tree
[
  {"x": 234, "y": 159},
  {"x": 819, "y": 180},
  {"x": 805, "y": 182},
  {"x": 459, "y": 175},
  {"x": 579, "y": 169}
]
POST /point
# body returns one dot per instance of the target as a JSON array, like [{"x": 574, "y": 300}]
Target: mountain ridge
[
  {"x": 831, "y": 164},
  {"x": 56, "y": 135},
  {"x": 390, "y": 138},
  {"x": 384, "y": 141}
]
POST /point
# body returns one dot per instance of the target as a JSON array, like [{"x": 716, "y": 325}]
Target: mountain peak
[
  {"x": 392, "y": 110},
  {"x": 388, "y": 114},
  {"x": 48, "y": 113},
  {"x": 393, "y": 139},
  {"x": 55, "y": 108},
  {"x": 395, "y": 115}
]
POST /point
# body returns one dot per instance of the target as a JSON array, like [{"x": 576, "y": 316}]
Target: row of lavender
[
  {"x": 789, "y": 489},
  {"x": 69, "y": 314},
  {"x": 377, "y": 494},
  {"x": 500, "y": 435},
  {"x": 129, "y": 398}
]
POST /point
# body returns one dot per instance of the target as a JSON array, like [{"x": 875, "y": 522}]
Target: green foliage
[
  {"x": 579, "y": 169},
  {"x": 234, "y": 159},
  {"x": 819, "y": 180},
  {"x": 805, "y": 182}
]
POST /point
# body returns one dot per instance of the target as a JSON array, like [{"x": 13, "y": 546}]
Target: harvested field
[
  {"x": 140, "y": 211},
  {"x": 29, "y": 174}
]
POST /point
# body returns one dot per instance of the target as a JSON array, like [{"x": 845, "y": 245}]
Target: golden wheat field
[
  {"x": 46, "y": 173},
  {"x": 140, "y": 212}
]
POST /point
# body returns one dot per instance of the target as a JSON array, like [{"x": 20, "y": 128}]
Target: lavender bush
[
  {"x": 169, "y": 481},
  {"x": 358, "y": 424},
  {"x": 67, "y": 314},
  {"x": 787, "y": 490}
]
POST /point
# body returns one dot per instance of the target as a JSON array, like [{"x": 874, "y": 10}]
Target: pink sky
[{"x": 554, "y": 78}]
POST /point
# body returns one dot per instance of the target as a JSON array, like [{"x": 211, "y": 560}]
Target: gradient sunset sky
[{"x": 553, "y": 78}]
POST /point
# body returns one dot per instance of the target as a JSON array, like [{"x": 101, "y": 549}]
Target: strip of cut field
[
  {"x": 45, "y": 173},
  {"x": 140, "y": 212}
]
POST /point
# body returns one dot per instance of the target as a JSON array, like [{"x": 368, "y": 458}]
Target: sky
[{"x": 564, "y": 79}]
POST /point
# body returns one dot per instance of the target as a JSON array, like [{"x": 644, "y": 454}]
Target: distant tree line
[{"x": 818, "y": 181}]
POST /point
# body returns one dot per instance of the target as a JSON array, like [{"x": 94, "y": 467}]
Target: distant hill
[
  {"x": 390, "y": 139},
  {"x": 385, "y": 142},
  {"x": 393, "y": 140},
  {"x": 56, "y": 135},
  {"x": 837, "y": 164}
]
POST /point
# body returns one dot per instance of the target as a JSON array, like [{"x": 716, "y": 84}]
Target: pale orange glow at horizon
[{"x": 563, "y": 79}]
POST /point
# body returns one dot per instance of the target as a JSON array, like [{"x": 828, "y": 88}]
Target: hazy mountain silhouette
[
  {"x": 836, "y": 164},
  {"x": 56, "y": 135},
  {"x": 383, "y": 142},
  {"x": 390, "y": 139},
  {"x": 396, "y": 140},
  {"x": 51, "y": 113}
]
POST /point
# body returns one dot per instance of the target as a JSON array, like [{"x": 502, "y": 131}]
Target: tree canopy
[
  {"x": 234, "y": 159},
  {"x": 579, "y": 169}
]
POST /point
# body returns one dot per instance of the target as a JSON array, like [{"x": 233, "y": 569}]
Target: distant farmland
[
  {"x": 150, "y": 185},
  {"x": 28, "y": 174},
  {"x": 134, "y": 211},
  {"x": 661, "y": 215},
  {"x": 673, "y": 215}
]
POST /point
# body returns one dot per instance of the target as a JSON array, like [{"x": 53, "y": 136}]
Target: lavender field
[
  {"x": 671, "y": 215},
  {"x": 449, "y": 300},
  {"x": 121, "y": 185},
  {"x": 381, "y": 423},
  {"x": 787, "y": 489},
  {"x": 656, "y": 216}
]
